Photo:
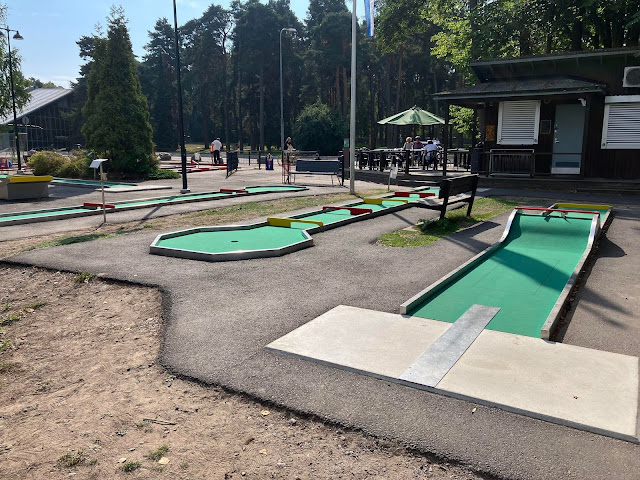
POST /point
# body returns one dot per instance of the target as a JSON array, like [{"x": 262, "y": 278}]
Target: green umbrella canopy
[{"x": 413, "y": 116}]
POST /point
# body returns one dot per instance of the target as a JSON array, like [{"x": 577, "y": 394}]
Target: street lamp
[
  {"x": 292, "y": 30},
  {"x": 183, "y": 150},
  {"x": 17, "y": 36}
]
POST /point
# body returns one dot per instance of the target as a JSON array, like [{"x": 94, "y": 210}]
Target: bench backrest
[
  {"x": 320, "y": 166},
  {"x": 457, "y": 185}
]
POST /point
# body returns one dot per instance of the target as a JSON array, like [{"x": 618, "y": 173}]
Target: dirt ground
[{"x": 82, "y": 396}]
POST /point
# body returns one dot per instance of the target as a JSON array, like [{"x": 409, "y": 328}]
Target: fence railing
[{"x": 518, "y": 162}]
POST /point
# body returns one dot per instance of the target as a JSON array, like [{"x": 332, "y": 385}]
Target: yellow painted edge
[
  {"x": 583, "y": 206},
  {"x": 378, "y": 201},
  {"x": 29, "y": 178},
  {"x": 286, "y": 222}
]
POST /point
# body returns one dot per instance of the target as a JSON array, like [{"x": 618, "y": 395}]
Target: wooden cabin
[{"x": 573, "y": 114}]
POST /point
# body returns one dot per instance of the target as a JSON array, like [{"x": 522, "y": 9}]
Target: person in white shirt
[
  {"x": 432, "y": 154},
  {"x": 216, "y": 146}
]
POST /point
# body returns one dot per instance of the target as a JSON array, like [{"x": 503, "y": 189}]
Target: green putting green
[
  {"x": 524, "y": 277},
  {"x": 224, "y": 241}
]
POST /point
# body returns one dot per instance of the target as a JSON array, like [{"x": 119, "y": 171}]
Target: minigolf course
[
  {"x": 476, "y": 333},
  {"x": 277, "y": 235}
]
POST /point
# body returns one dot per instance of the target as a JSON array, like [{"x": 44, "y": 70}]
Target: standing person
[
  {"x": 288, "y": 146},
  {"x": 216, "y": 146}
]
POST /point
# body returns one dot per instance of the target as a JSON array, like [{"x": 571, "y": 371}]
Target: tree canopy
[{"x": 231, "y": 77}]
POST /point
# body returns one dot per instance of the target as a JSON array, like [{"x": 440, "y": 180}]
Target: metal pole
[
  {"x": 13, "y": 97},
  {"x": 281, "y": 105},
  {"x": 104, "y": 210},
  {"x": 183, "y": 150},
  {"x": 352, "y": 126}
]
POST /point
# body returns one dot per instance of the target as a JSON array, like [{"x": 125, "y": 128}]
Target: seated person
[
  {"x": 432, "y": 154},
  {"x": 407, "y": 144},
  {"x": 418, "y": 148}
]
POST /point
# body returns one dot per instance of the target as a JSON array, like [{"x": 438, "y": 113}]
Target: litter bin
[{"x": 476, "y": 158}]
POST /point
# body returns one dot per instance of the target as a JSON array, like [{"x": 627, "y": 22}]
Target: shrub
[
  {"x": 160, "y": 174},
  {"x": 52, "y": 163},
  {"x": 46, "y": 163},
  {"x": 318, "y": 128}
]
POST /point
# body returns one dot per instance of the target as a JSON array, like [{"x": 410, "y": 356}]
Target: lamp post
[
  {"x": 183, "y": 150},
  {"x": 292, "y": 30},
  {"x": 17, "y": 36}
]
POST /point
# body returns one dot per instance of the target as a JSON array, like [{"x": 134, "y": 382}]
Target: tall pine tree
[{"x": 116, "y": 110}]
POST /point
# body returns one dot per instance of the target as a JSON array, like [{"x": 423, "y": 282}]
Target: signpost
[{"x": 97, "y": 163}]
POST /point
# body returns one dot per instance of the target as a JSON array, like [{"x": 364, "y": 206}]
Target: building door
[{"x": 567, "y": 139}]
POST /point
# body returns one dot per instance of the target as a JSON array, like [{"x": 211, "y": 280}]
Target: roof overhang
[{"x": 530, "y": 88}]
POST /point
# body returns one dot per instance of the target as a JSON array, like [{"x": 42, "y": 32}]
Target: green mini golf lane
[
  {"x": 94, "y": 183},
  {"x": 265, "y": 237},
  {"x": 523, "y": 277},
  {"x": 79, "y": 210}
]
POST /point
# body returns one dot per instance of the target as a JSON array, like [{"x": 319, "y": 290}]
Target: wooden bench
[
  {"x": 318, "y": 167},
  {"x": 450, "y": 193}
]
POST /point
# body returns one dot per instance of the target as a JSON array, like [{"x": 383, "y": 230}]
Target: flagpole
[{"x": 352, "y": 126}]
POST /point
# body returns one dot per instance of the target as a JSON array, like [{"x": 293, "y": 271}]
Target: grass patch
[
  {"x": 68, "y": 240},
  {"x": 84, "y": 277},
  {"x": 131, "y": 466},
  {"x": 6, "y": 367},
  {"x": 248, "y": 210},
  {"x": 72, "y": 458},
  {"x": 35, "y": 305},
  {"x": 5, "y": 307},
  {"x": 11, "y": 318},
  {"x": 5, "y": 345},
  {"x": 429, "y": 231},
  {"x": 158, "y": 453}
]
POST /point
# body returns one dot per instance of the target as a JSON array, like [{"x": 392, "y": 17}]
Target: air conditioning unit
[{"x": 631, "y": 77}]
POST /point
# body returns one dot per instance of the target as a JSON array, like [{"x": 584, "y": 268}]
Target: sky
[{"x": 51, "y": 28}]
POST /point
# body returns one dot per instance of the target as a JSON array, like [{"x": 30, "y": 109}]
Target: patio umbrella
[{"x": 413, "y": 116}]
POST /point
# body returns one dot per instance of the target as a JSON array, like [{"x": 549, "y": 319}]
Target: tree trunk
[
  {"x": 617, "y": 33},
  {"x": 338, "y": 101},
  {"x": 205, "y": 117},
  {"x": 576, "y": 35},
  {"x": 261, "y": 86}
]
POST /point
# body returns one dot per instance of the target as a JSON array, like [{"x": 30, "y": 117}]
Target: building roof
[
  {"x": 541, "y": 65},
  {"x": 40, "y": 97},
  {"x": 523, "y": 88}
]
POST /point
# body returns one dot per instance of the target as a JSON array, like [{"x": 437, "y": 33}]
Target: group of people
[{"x": 428, "y": 152}]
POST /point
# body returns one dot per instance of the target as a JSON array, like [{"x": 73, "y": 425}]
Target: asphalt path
[{"x": 219, "y": 316}]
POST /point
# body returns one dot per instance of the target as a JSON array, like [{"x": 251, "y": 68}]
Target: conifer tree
[{"x": 117, "y": 112}]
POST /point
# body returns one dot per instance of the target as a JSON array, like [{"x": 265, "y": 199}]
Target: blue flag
[{"x": 368, "y": 14}]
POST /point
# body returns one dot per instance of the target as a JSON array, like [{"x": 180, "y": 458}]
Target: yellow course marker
[
  {"x": 286, "y": 222},
  {"x": 378, "y": 201},
  {"x": 29, "y": 178}
]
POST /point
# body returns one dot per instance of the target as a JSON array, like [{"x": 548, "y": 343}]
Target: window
[
  {"x": 518, "y": 122},
  {"x": 621, "y": 125}
]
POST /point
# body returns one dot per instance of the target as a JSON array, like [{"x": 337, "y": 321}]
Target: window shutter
[
  {"x": 518, "y": 122},
  {"x": 621, "y": 127}
]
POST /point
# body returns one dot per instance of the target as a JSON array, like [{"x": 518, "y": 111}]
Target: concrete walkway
[{"x": 220, "y": 316}]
